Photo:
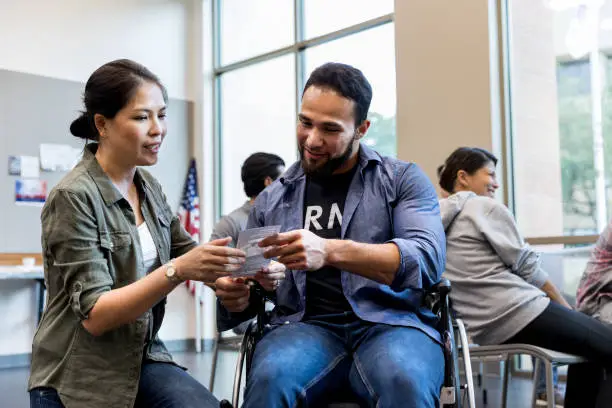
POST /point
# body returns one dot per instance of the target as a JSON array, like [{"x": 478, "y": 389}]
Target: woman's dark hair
[
  {"x": 108, "y": 90},
  {"x": 468, "y": 159},
  {"x": 256, "y": 168}
]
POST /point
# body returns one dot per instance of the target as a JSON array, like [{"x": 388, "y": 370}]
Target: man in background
[{"x": 259, "y": 170}]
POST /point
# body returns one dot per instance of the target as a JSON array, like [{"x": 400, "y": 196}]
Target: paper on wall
[
  {"x": 30, "y": 167},
  {"x": 30, "y": 192},
  {"x": 14, "y": 165},
  {"x": 59, "y": 157}
]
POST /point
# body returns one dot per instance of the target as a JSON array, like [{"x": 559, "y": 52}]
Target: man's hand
[
  {"x": 299, "y": 249},
  {"x": 271, "y": 276},
  {"x": 233, "y": 293}
]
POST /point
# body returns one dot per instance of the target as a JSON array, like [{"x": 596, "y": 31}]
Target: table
[{"x": 22, "y": 272}]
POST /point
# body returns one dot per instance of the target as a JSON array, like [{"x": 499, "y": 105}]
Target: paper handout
[{"x": 248, "y": 241}]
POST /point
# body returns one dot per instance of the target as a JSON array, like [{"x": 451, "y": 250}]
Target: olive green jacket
[{"x": 90, "y": 246}]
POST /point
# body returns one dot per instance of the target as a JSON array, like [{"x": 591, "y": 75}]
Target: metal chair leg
[
  {"x": 550, "y": 389},
  {"x": 536, "y": 380},
  {"x": 238, "y": 374},
  {"x": 213, "y": 369},
  {"x": 506, "y": 379},
  {"x": 467, "y": 363}
]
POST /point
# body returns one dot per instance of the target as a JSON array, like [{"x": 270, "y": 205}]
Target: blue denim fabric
[
  {"x": 44, "y": 397},
  {"x": 161, "y": 385},
  {"x": 388, "y": 201},
  {"x": 165, "y": 385},
  {"x": 303, "y": 364}
]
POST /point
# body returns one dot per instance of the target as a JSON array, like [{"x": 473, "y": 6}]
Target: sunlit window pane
[
  {"x": 252, "y": 27},
  {"x": 324, "y": 16},
  {"x": 257, "y": 115},
  {"x": 373, "y": 52}
]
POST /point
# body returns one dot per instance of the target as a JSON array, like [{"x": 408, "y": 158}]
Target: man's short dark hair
[
  {"x": 348, "y": 82},
  {"x": 256, "y": 168}
]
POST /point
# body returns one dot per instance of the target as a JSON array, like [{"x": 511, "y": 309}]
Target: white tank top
[{"x": 149, "y": 252}]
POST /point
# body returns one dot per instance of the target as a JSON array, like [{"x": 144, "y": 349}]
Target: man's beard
[{"x": 327, "y": 168}]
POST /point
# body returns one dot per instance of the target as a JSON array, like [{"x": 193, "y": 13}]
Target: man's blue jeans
[
  {"x": 301, "y": 364},
  {"x": 162, "y": 385}
]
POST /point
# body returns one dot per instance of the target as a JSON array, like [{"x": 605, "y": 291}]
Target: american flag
[{"x": 189, "y": 210}]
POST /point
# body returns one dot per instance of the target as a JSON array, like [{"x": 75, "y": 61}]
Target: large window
[
  {"x": 378, "y": 65},
  {"x": 265, "y": 51},
  {"x": 253, "y": 27},
  {"x": 324, "y": 16},
  {"x": 257, "y": 115},
  {"x": 561, "y": 121}
]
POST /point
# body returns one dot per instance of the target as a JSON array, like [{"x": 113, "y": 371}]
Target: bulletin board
[{"x": 37, "y": 110}]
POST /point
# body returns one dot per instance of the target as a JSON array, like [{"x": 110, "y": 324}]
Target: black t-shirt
[{"x": 323, "y": 208}]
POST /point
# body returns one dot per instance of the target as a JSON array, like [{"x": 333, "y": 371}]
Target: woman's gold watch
[{"x": 171, "y": 273}]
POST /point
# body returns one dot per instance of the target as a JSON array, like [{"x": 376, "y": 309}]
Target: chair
[
  {"x": 505, "y": 352},
  {"x": 437, "y": 299},
  {"x": 232, "y": 342},
  {"x": 565, "y": 267}
]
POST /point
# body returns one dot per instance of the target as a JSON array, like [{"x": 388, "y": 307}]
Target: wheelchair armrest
[
  {"x": 259, "y": 297},
  {"x": 437, "y": 297},
  {"x": 443, "y": 287}
]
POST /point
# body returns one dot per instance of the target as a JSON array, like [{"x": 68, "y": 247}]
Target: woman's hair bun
[{"x": 83, "y": 127}]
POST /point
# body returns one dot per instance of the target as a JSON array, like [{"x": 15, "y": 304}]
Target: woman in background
[{"x": 499, "y": 288}]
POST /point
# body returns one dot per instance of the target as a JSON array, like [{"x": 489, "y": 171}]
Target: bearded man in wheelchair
[{"x": 362, "y": 242}]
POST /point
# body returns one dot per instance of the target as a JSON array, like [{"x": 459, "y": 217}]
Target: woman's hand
[
  {"x": 554, "y": 294},
  {"x": 271, "y": 276},
  {"x": 209, "y": 261}
]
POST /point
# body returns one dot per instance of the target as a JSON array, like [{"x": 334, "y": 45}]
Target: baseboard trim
[
  {"x": 173, "y": 346},
  {"x": 183, "y": 345},
  {"x": 15, "y": 360}
]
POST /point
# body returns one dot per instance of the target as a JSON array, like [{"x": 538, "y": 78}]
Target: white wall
[
  {"x": 18, "y": 309},
  {"x": 446, "y": 79},
  {"x": 69, "y": 39}
]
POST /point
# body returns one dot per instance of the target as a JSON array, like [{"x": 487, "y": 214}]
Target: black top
[{"x": 323, "y": 208}]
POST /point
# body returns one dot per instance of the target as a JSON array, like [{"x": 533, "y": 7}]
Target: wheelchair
[{"x": 452, "y": 395}]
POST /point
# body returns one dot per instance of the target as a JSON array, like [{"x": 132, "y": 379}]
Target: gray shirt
[
  {"x": 495, "y": 275},
  {"x": 231, "y": 224}
]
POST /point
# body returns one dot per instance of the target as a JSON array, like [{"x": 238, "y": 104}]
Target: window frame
[
  {"x": 299, "y": 46},
  {"x": 505, "y": 58}
]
